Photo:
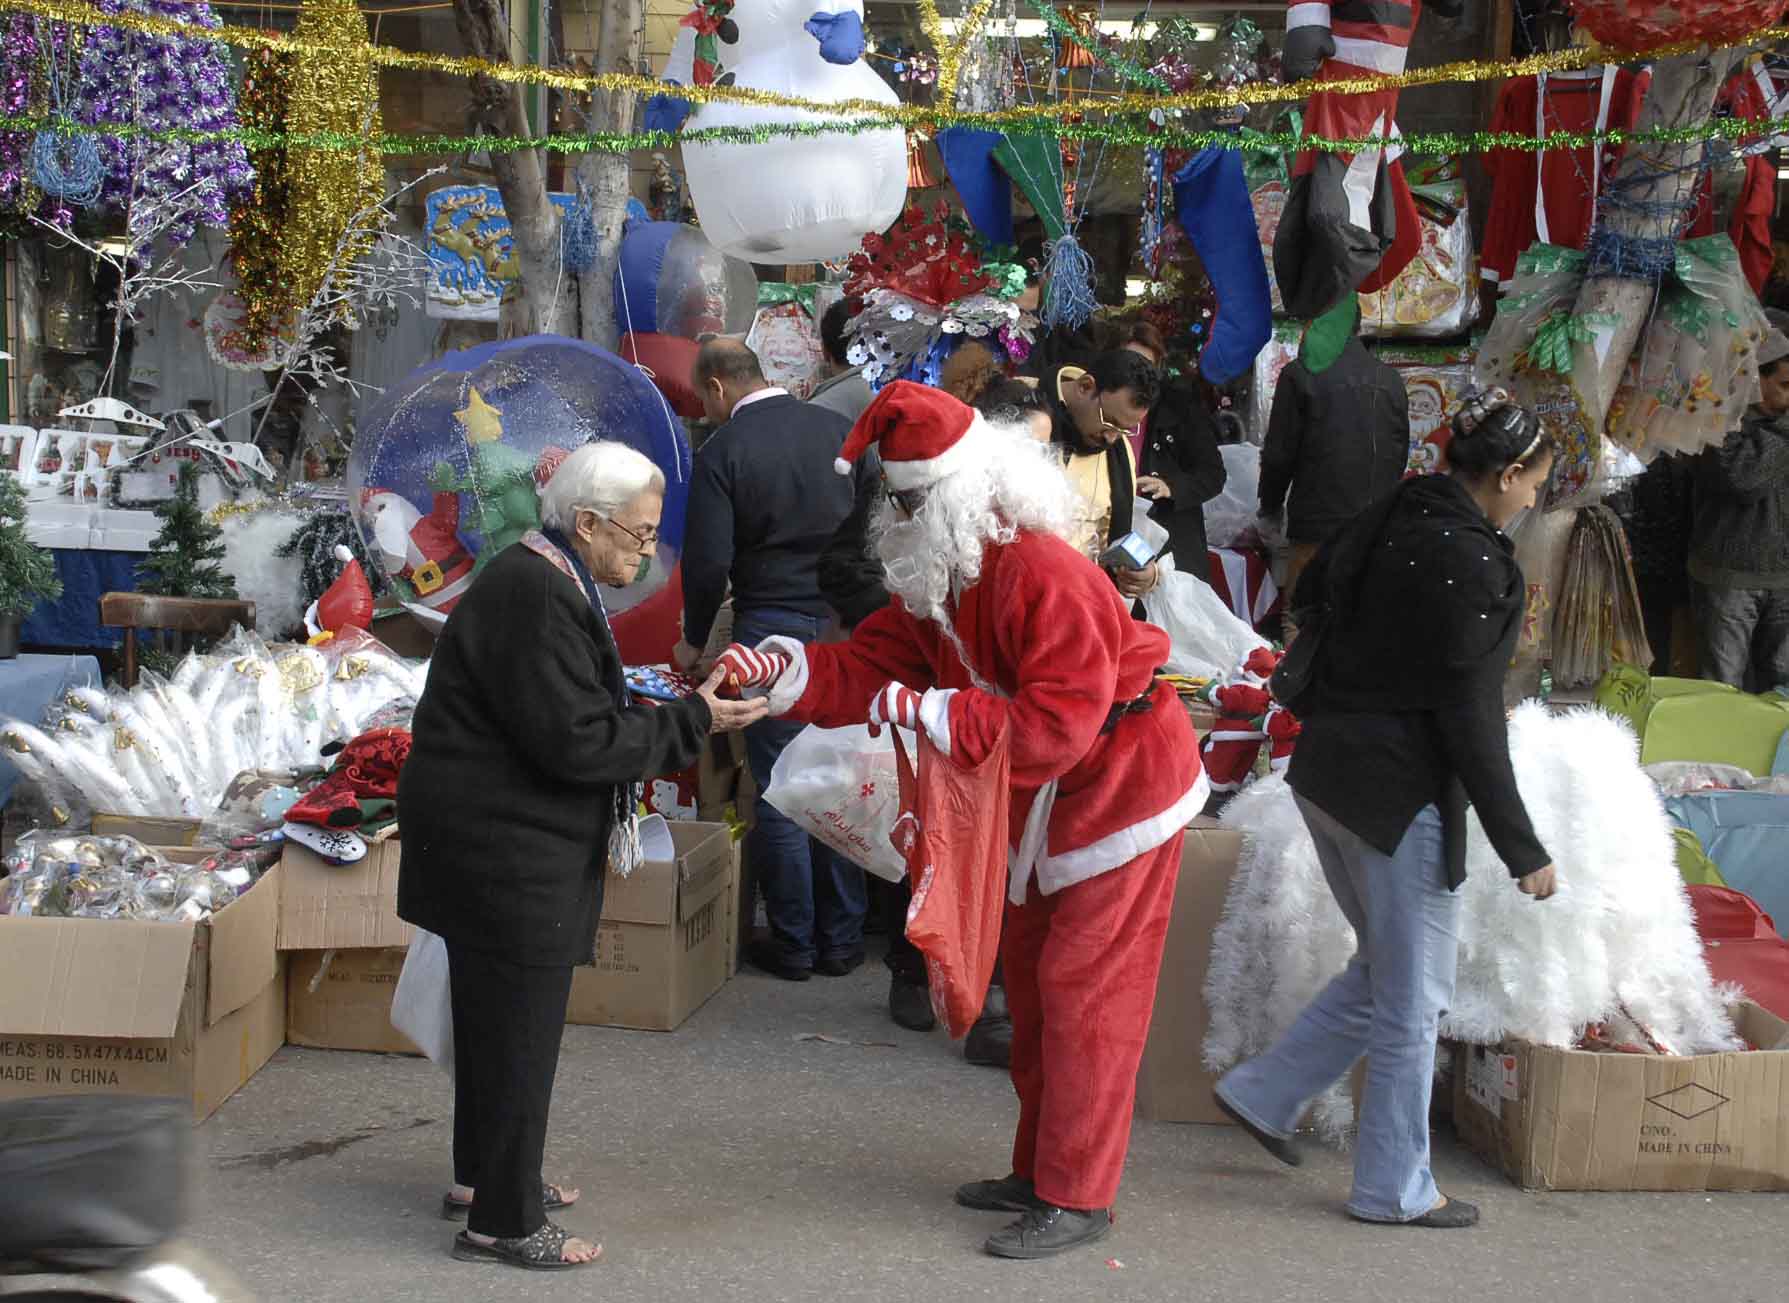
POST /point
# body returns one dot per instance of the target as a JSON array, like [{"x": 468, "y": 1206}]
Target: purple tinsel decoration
[
  {"x": 18, "y": 56},
  {"x": 156, "y": 83}
]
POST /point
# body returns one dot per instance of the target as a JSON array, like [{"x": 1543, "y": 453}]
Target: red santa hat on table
[{"x": 923, "y": 434}]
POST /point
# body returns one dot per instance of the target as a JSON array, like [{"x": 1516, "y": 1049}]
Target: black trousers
[{"x": 507, "y": 1023}]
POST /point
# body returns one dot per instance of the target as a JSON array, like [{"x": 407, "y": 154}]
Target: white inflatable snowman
[{"x": 792, "y": 199}]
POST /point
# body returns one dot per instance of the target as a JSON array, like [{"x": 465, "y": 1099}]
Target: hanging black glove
[{"x": 1305, "y": 50}]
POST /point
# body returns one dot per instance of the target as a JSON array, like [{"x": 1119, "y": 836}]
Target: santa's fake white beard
[{"x": 1013, "y": 483}]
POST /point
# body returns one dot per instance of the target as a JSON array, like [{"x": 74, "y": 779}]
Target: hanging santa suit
[
  {"x": 1350, "y": 222},
  {"x": 1105, "y": 777},
  {"x": 1750, "y": 95},
  {"x": 1550, "y": 195}
]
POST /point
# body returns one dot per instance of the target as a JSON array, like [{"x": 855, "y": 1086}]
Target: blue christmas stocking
[{"x": 1211, "y": 199}]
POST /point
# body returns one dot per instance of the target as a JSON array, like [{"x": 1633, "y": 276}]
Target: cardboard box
[
  {"x": 662, "y": 946},
  {"x": 341, "y": 1000},
  {"x": 150, "y": 829},
  {"x": 1172, "y": 1083},
  {"x": 326, "y": 906},
  {"x": 106, "y": 1006},
  {"x": 1576, "y": 1120}
]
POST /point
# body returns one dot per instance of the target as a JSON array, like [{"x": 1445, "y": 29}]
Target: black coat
[
  {"x": 1180, "y": 447},
  {"x": 508, "y": 797},
  {"x": 764, "y": 501},
  {"x": 851, "y": 578},
  {"x": 1427, "y": 603},
  {"x": 1337, "y": 440}
]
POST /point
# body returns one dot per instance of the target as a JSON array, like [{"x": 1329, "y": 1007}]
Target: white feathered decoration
[{"x": 1617, "y": 939}]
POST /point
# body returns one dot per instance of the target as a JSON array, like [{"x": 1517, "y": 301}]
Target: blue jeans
[
  {"x": 815, "y": 899},
  {"x": 1387, "y": 1004}
]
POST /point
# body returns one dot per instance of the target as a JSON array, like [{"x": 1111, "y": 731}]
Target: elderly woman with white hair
[{"x": 521, "y": 788}]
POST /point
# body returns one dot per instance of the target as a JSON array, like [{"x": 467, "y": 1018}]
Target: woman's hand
[
  {"x": 1153, "y": 487},
  {"x": 1540, "y": 884},
  {"x": 726, "y": 715}
]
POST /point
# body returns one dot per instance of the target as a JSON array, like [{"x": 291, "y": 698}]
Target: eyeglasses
[
  {"x": 645, "y": 542},
  {"x": 906, "y": 501},
  {"x": 1105, "y": 424}
]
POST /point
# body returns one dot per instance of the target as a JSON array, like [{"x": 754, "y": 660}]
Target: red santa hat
[
  {"x": 920, "y": 432},
  {"x": 345, "y": 604}
]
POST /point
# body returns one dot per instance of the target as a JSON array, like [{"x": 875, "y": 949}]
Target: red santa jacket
[{"x": 1046, "y": 630}]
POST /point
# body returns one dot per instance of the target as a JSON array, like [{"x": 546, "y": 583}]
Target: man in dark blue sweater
[{"x": 764, "y": 502}]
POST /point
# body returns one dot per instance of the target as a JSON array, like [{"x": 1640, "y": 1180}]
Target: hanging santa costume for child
[{"x": 1002, "y": 627}]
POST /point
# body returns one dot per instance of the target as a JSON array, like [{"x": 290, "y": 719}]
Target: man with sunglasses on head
[
  {"x": 764, "y": 502},
  {"x": 1093, "y": 411}
]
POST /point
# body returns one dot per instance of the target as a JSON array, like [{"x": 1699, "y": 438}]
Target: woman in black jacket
[
  {"x": 1425, "y": 603},
  {"x": 1179, "y": 467},
  {"x": 519, "y": 791}
]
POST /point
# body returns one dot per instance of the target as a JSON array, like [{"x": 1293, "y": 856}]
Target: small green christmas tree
[
  {"x": 27, "y": 572},
  {"x": 183, "y": 559}
]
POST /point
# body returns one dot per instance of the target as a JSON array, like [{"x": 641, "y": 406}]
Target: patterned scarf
[{"x": 625, "y": 852}]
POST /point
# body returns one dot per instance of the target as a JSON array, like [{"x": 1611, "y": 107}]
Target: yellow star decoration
[{"x": 481, "y": 422}]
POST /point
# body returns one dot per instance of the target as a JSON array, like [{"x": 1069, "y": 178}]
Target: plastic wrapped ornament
[
  {"x": 669, "y": 280},
  {"x": 1640, "y": 24},
  {"x": 442, "y": 476}
]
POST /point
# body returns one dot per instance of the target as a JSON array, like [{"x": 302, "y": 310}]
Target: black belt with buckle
[{"x": 1135, "y": 706}]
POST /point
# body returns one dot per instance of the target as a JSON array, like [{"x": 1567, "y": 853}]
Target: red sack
[
  {"x": 952, "y": 829},
  {"x": 1723, "y": 914},
  {"x": 1761, "y": 967}
]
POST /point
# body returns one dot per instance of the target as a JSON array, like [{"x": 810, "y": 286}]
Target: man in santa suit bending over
[{"x": 1000, "y": 622}]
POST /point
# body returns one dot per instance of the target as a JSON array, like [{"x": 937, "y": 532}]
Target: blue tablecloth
[
  {"x": 73, "y": 621},
  {"x": 28, "y": 684}
]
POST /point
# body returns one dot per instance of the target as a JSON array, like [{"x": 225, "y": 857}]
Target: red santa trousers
[{"x": 1081, "y": 968}]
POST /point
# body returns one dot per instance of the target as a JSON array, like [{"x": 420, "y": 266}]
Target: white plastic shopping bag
[
  {"x": 839, "y": 785},
  {"x": 422, "y": 1005},
  {"x": 1208, "y": 640}
]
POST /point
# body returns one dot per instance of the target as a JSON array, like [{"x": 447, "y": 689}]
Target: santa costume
[
  {"x": 1105, "y": 777},
  {"x": 1350, "y": 221}
]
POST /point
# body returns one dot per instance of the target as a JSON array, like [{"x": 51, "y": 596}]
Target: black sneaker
[
  {"x": 989, "y": 1043},
  {"x": 1284, "y": 1150},
  {"x": 1007, "y": 1194},
  {"x": 910, "y": 1005},
  {"x": 762, "y": 954},
  {"x": 1046, "y": 1230},
  {"x": 839, "y": 965}
]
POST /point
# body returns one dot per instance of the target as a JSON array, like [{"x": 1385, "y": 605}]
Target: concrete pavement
[{"x": 734, "y": 1160}]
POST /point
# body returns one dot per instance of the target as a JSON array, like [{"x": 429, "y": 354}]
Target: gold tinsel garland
[
  {"x": 329, "y": 188},
  {"x": 1129, "y": 104},
  {"x": 255, "y": 222}
]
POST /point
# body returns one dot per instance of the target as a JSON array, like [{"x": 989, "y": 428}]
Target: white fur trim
[
  {"x": 1307, "y": 15},
  {"x": 934, "y": 713},
  {"x": 840, "y": 466},
  {"x": 1054, "y": 872},
  {"x": 792, "y": 682},
  {"x": 918, "y": 474}
]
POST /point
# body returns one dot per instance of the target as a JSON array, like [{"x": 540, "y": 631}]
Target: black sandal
[
  {"x": 552, "y": 1199},
  {"x": 542, "y": 1251}
]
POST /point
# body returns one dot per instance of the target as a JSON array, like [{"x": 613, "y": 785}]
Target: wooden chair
[{"x": 206, "y": 616}]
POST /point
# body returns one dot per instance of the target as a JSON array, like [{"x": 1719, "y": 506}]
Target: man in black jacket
[
  {"x": 1179, "y": 467},
  {"x": 1093, "y": 411},
  {"x": 764, "y": 501},
  {"x": 1337, "y": 440}
]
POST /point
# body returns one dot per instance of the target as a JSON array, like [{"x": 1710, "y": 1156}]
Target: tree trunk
[
  {"x": 604, "y": 176},
  {"x": 542, "y": 301},
  {"x": 1683, "y": 90}
]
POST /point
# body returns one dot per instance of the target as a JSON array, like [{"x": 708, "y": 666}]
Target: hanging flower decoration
[
  {"x": 919, "y": 70},
  {"x": 705, "y": 20},
  {"x": 923, "y": 285}
]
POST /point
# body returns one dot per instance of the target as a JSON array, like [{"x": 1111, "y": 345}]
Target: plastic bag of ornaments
[
  {"x": 173, "y": 746},
  {"x": 51, "y": 876},
  {"x": 1436, "y": 295}
]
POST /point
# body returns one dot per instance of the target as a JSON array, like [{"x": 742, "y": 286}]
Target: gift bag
[
  {"x": 1208, "y": 640},
  {"x": 422, "y": 1005},
  {"x": 839, "y": 786},
  {"x": 953, "y": 824}
]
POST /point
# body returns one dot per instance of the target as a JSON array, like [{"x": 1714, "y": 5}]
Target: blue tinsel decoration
[
  {"x": 1629, "y": 257},
  {"x": 577, "y": 236},
  {"x": 1069, "y": 300},
  {"x": 67, "y": 164}
]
